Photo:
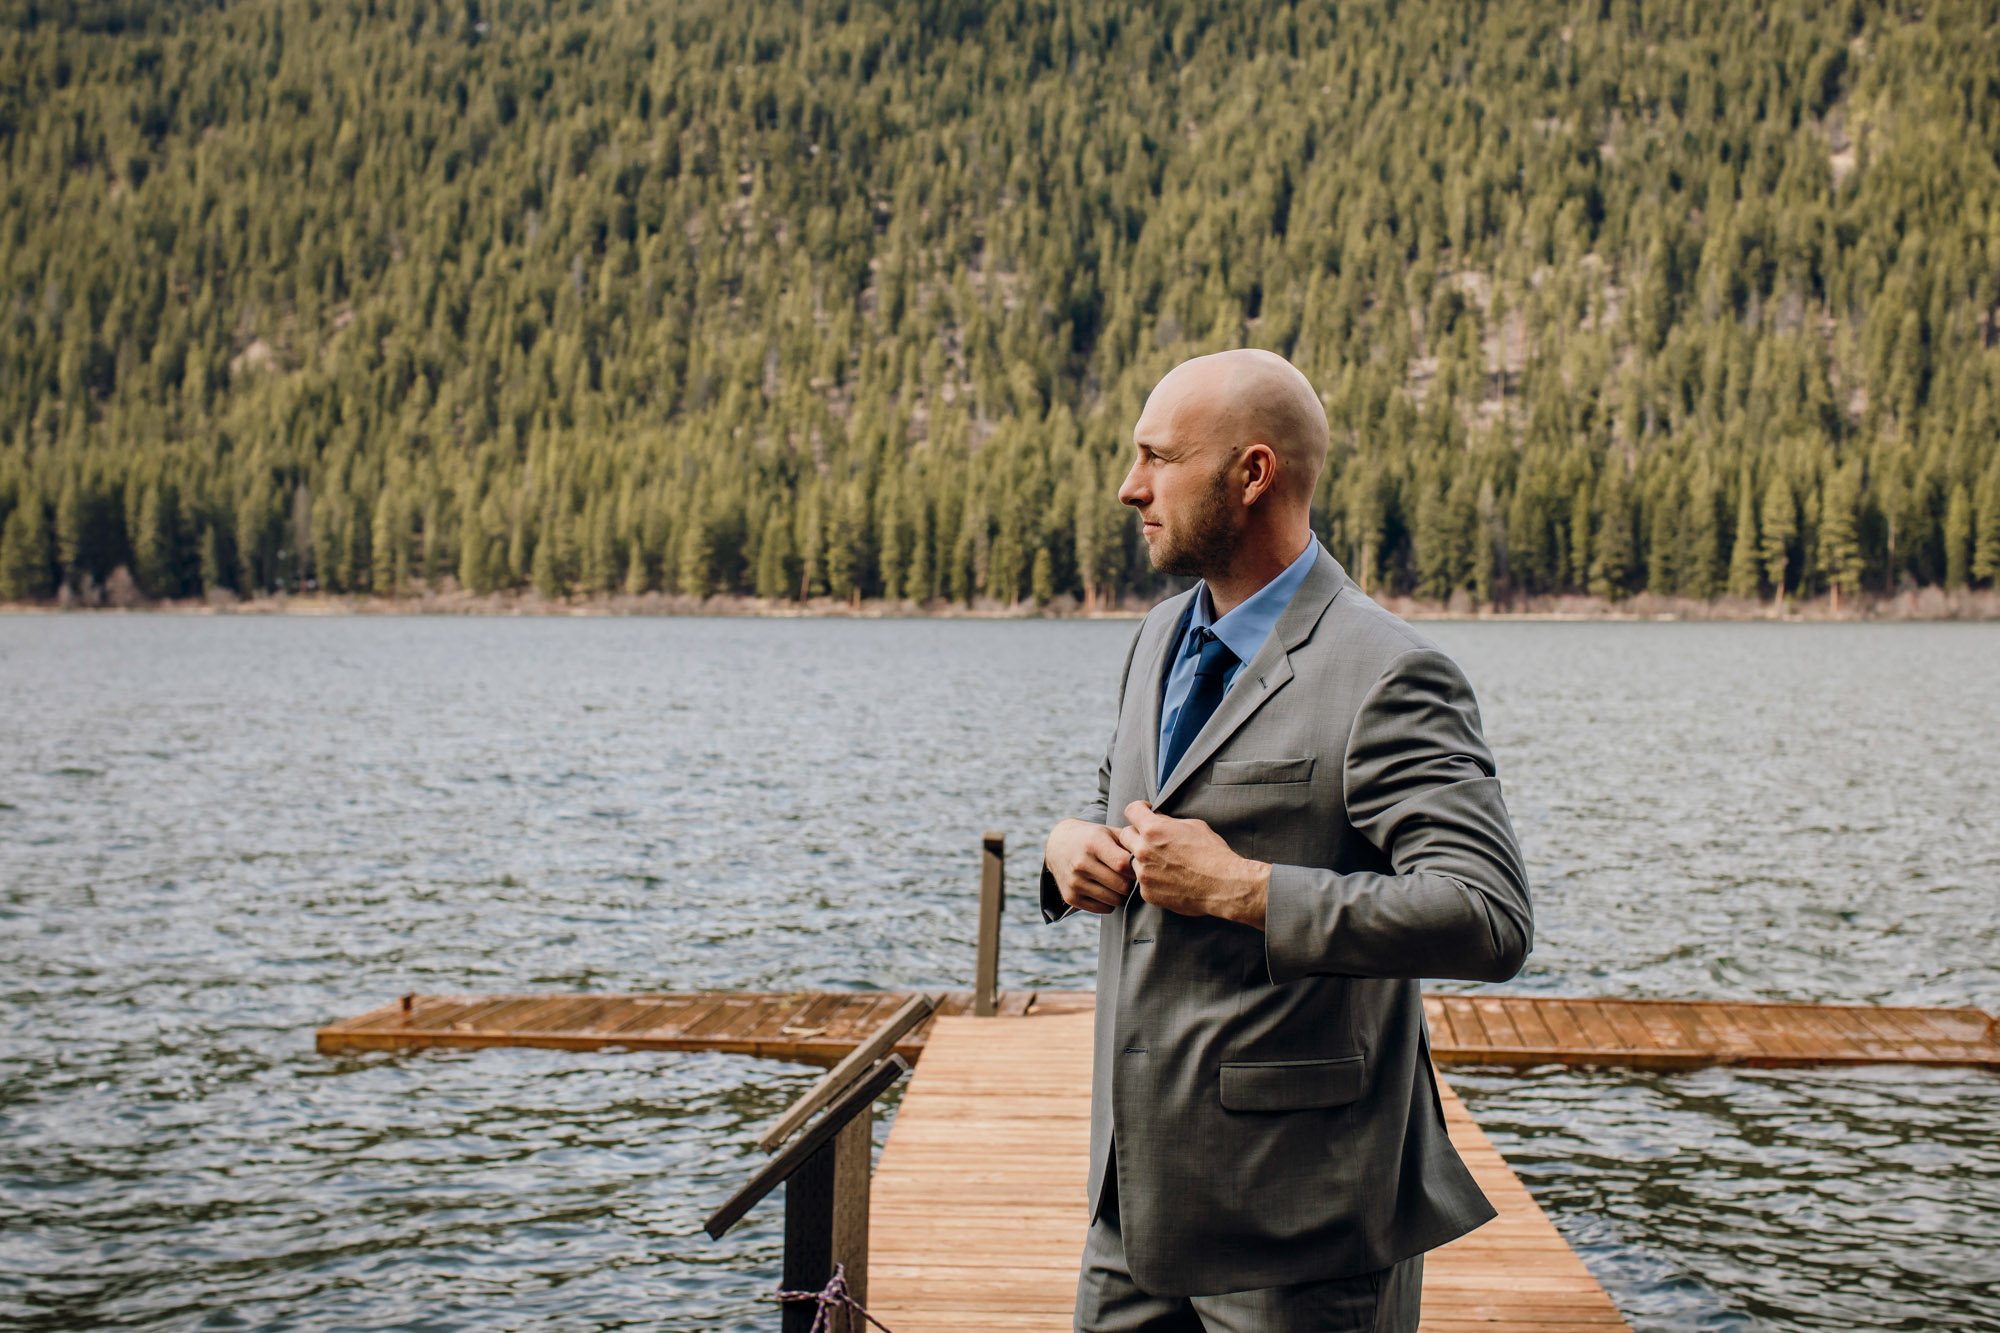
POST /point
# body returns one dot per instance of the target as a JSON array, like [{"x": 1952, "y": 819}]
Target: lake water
[{"x": 217, "y": 834}]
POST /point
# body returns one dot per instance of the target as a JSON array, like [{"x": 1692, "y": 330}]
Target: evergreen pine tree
[
  {"x": 475, "y": 554},
  {"x": 1087, "y": 529},
  {"x": 519, "y": 556},
  {"x": 600, "y": 555},
  {"x": 920, "y": 583},
  {"x": 1487, "y": 540},
  {"x": 1668, "y": 513},
  {"x": 255, "y": 546},
  {"x": 550, "y": 572},
  {"x": 637, "y": 577},
  {"x": 152, "y": 546},
  {"x": 299, "y": 535},
  {"x": 811, "y": 545},
  {"x": 1778, "y": 523},
  {"x": 1957, "y": 537},
  {"x": 475, "y": 572},
  {"x": 774, "y": 559},
  {"x": 1986, "y": 549},
  {"x": 1579, "y": 536},
  {"x": 844, "y": 539},
  {"x": 1743, "y": 555},
  {"x": 696, "y": 559},
  {"x": 962, "y": 578},
  {"x": 405, "y": 557},
  {"x": 69, "y": 531},
  {"x": 1839, "y": 532},
  {"x": 214, "y": 573},
  {"x": 889, "y": 532},
  {"x": 359, "y": 551},
  {"x": 385, "y": 547},
  {"x": 24, "y": 553},
  {"x": 1611, "y": 548},
  {"x": 326, "y": 517},
  {"x": 1528, "y": 537},
  {"x": 1701, "y": 563},
  {"x": 1434, "y": 555}
]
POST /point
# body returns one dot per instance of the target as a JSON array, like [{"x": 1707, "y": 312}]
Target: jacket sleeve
[
  {"x": 1096, "y": 809},
  {"x": 1420, "y": 785}
]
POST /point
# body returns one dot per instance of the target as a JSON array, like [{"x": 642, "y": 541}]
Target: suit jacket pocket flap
[
  {"x": 1261, "y": 770},
  {"x": 1291, "y": 1085}
]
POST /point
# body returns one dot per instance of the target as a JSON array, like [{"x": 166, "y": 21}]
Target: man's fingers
[
  {"x": 1111, "y": 853},
  {"x": 1115, "y": 880},
  {"x": 1112, "y": 878},
  {"x": 1138, "y": 847},
  {"x": 1091, "y": 896},
  {"x": 1141, "y": 815}
]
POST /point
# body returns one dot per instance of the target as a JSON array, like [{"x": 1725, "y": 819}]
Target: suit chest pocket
[
  {"x": 1259, "y": 772},
  {"x": 1259, "y": 806}
]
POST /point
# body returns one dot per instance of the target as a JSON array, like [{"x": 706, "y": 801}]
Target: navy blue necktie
[{"x": 1211, "y": 678}]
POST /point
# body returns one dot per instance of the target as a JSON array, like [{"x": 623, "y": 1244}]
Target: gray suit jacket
[{"x": 1269, "y": 1093}]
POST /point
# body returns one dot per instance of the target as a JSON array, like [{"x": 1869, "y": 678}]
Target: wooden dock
[
  {"x": 1517, "y": 1031},
  {"x": 978, "y": 1208},
  {"x": 978, "y": 1203}
]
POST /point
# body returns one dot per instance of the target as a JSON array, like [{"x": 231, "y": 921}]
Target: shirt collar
[{"x": 1246, "y": 626}]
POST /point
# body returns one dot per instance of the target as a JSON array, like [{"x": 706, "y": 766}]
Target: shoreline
[{"x": 1912, "y": 605}]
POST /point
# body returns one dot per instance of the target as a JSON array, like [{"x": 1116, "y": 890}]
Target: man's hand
[
  {"x": 1091, "y": 867},
  {"x": 1184, "y": 866}
]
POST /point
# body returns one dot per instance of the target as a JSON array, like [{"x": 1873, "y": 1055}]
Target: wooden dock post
[
  {"x": 826, "y": 1222},
  {"x": 853, "y": 1164},
  {"x": 825, "y": 1173},
  {"x": 992, "y": 902}
]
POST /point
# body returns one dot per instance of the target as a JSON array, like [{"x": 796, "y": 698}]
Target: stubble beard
[{"x": 1208, "y": 544}]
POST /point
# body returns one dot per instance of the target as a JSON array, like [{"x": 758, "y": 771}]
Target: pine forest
[{"x": 840, "y": 299}]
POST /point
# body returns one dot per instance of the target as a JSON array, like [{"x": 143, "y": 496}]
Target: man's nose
[{"x": 1132, "y": 491}]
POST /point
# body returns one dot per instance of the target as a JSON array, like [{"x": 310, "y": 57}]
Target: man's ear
[{"x": 1260, "y": 471}]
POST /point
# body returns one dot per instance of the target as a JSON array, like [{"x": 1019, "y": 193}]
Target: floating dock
[
  {"x": 1512, "y": 1031},
  {"x": 978, "y": 1203}
]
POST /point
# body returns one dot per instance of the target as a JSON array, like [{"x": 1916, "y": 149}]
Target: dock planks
[
  {"x": 978, "y": 1203},
  {"x": 1522, "y": 1031},
  {"x": 808, "y": 1027},
  {"x": 1518, "y": 1031}
]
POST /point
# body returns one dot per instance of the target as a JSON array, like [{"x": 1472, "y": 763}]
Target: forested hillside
[{"x": 838, "y": 297}]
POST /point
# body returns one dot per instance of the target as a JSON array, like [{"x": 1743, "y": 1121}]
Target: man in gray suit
[{"x": 1296, "y": 819}]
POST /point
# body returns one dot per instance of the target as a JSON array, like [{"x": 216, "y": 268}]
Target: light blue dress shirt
[{"x": 1243, "y": 630}]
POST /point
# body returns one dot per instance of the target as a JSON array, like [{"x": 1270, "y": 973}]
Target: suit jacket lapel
[
  {"x": 1155, "y": 661},
  {"x": 1262, "y": 676}
]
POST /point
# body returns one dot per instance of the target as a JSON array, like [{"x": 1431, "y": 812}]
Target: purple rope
[{"x": 831, "y": 1301}]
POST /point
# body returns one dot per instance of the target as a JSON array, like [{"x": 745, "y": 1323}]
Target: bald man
[{"x": 1297, "y": 818}]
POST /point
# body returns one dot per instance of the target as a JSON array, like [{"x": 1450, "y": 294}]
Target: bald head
[
  {"x": 1225, "y": 458},
  {"x": 1232, "y": 400}
]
